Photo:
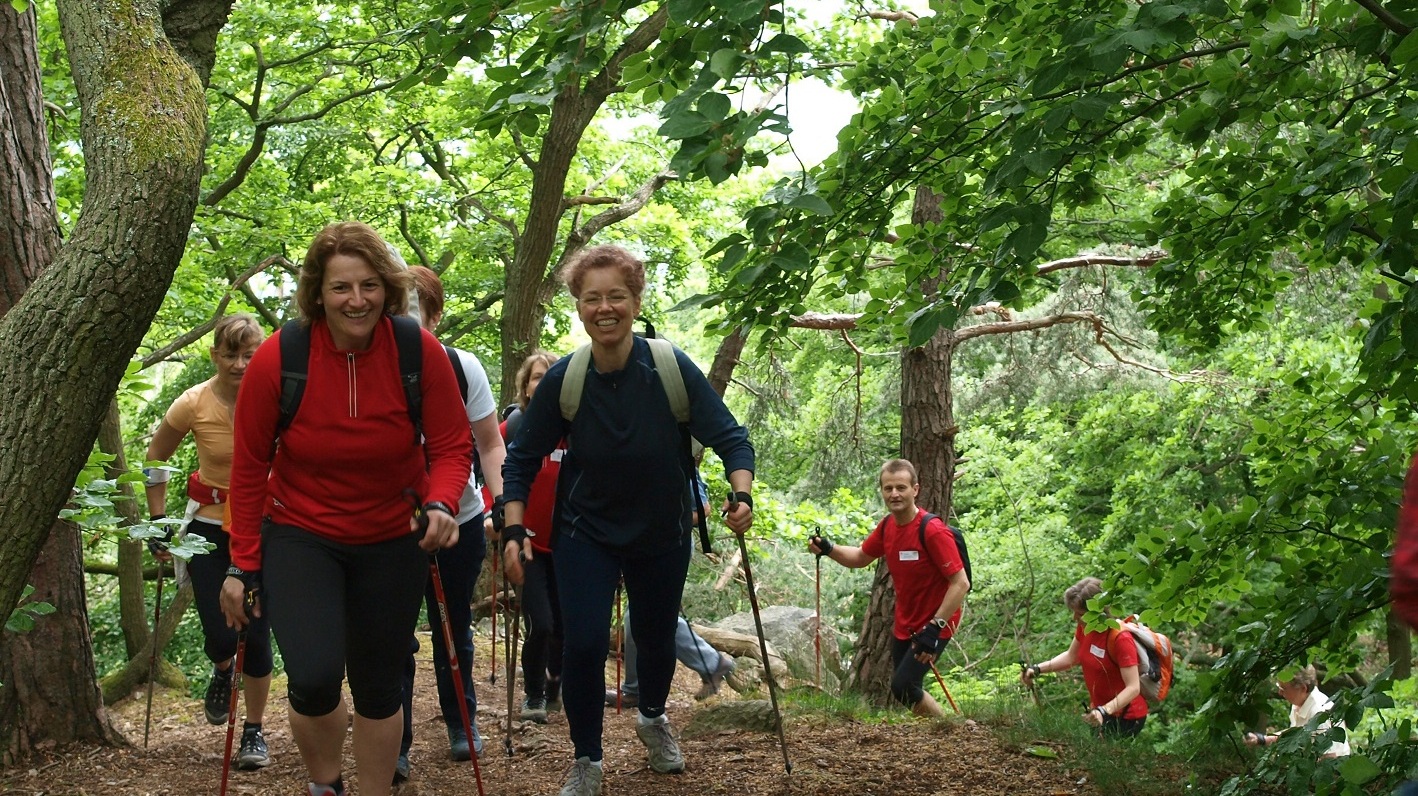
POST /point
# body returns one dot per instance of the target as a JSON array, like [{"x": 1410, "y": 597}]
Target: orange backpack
[{"x": 1154, "y": 653}]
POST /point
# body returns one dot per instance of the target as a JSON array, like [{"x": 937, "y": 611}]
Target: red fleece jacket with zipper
[{"x": 349, "y": 454}]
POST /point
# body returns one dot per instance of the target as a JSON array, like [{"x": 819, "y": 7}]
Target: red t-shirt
[
  {"x": 920, "y": 577},
  {"x": 541, "y": 499},
  {"x": 1102, "y": 667}
]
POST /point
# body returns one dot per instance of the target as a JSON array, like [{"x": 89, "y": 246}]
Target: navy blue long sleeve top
[{"x": 627, "y": 476}]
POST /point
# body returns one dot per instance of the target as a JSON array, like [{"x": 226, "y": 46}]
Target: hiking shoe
[
  {"x": 458, "y": 743},
  {"x": 401, "y": 769},
  {"x": 716, "y": 677},
  {"x": 253, "y": 753},
  {"x": 217, "y": 703},
  {"x": 665, "y": 756},
  {"x": 627, "y": 699},
  {"x": 534, "y": 709},
  {"x": 553, "y": 694},
  {"x": 584, "y": 779}
]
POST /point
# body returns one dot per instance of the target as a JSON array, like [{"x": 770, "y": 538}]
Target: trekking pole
[
  {"x": 492, "y": 670},
  {"x": 454, "y": 669},
  {"x": 1033, "y": 687},
  {"x": 762, "y": 642},
  {"x": 620, "y": 652},
  {"x": 231, "y": 705},
  {"x": 513, "y": 628},
  {"x": 941, "y": 682},
  {"x": 153, "y": 658},
  {"x": 817, "y": 623}
]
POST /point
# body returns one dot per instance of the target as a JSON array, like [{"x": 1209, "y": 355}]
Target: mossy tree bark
[{"x": 140, "y": 70}]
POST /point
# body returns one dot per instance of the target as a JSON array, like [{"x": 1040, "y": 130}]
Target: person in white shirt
[{"x": 1306, "y": 701}]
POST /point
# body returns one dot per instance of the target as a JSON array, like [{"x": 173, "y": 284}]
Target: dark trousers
[
  {"x": 542, "y": 652},
  {"x": 586, "y": 577},
  {"x": 458, "y": 567},
  {"x": 339, "y": 608},
  {"x": 907, "y": 673},
  {"x": 208, "y": 573}
]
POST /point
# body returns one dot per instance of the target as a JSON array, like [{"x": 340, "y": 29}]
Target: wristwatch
[
  {"x": 234, "y": 571},
  {"x": 938, "y": 622},
  {"x": 440, "y": 506}
]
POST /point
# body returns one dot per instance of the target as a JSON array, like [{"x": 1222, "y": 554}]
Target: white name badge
[
  {"x": 910, "y": 555},
  {"x": 558, "y": 454},
  {"x": 1098, "y": 652}
]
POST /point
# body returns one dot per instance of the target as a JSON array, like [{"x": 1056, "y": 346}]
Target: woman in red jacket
[
  {"x": 1110, "y": 668},
  {"x": 323, "y": 523}
]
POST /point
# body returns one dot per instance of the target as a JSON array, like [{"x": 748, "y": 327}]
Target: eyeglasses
[{"x": 617, "y": 299}]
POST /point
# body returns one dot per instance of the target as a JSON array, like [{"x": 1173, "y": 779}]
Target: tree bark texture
[
  {"x": 726, "y": 358},
  {"x": 530, "y": 283},
  {"x": 50, "y": 697},
  {"x": 139, "y": 69},
  {"x": 927, "y": 441},
  {"x": 29, "y": 223}
]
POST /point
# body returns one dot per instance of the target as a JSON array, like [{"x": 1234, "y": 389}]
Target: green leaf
[
  {"x": 1042, "y": 751},
  {"x": 686, "y": 124},
  {"x": 725, "y": 62},
  {"x": 1405, "y": 51},
  {"x": 715, "y": 106},
  {"x": 1358, "y": 769},
  {"x": 812, "y": 203},
  {"x": 784, "y": 43},
  {"x": 684, "y": 11},
  {"x": 20, "y": 6}
]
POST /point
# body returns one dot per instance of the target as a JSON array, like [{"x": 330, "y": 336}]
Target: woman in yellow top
[{"x": 205, "y": 411}]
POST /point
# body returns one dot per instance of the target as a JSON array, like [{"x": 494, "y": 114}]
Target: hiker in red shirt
[
  {"x": 1110, "y": 667},
  {"x": 930, "y": 581}
]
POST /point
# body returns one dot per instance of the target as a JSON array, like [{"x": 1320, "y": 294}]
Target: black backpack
[
  {"x": 408, "y": 338},
  {"x": 954, "y": 532}
]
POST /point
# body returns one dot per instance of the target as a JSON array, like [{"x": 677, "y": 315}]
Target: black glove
[
  {"x": 515, "y": 533},
  {"x": 156, "y": 546},
  {"x": 928, "y": 640},
  {"x": 822, "y": 544},
  {"x": 499, "y": 514},
  {"x": 251, "y": 581}
]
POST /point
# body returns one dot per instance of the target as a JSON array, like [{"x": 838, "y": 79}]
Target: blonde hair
[
  {"x": 354, "y": 239},
  {"x": 524, "y": 373},
  {"x": 235, "y": 332}
]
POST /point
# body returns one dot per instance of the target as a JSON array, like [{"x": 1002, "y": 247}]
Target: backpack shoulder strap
[
  {"x": 457, "y": 363},
  {"x": 574, "y": 382},
  {"x": 663, "y": 352},
  {"x": 295, "y": 370},
  {"x": 408, "y": 337}
]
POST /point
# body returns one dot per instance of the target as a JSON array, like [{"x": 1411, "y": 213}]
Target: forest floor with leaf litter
[{"x": 831, "y": 754}]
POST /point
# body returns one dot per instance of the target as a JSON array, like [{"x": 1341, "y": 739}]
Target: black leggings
[
  {"x": 541, "y": 655},
  {"x": 208, "y": 573},
  {"x": 338, "y": 607}
]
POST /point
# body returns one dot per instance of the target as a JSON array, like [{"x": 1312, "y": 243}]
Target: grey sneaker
[
  {"x": 253, "y": 753},
  {"x": 534, "y": 709},
  {"x": 458, "y": 747},
  {"x": 665, "y": 756},
  {"x": 716, "y": 677},
  {"x": 583, "y": 779}
]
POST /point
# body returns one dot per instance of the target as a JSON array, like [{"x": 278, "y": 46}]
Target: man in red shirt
[{"x": 930, "y": 583}]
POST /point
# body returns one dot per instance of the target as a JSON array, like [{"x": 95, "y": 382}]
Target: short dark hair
[
  {"x": 355, "y": 239},
  {"x": 604, "y": 256}
]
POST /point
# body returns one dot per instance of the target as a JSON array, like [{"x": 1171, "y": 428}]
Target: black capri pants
[
  {"x": 908, "y": 673},
  {"x": 338, "y": 608}
]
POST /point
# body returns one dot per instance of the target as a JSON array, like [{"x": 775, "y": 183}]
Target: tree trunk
[
  {"x": 927, "y": 441},
  {"x": 50, "y": 697},
  {"x": 139, "y": 69},
  {"x": 726, "y": 358},
  {"x": 29, "y": 222},
  {"x": 1400, "y": 646}
]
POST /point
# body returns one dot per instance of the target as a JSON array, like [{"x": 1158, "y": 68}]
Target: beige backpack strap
[
  {"x": 574, "y": 382},
  {"x": 663, "y": 352}
]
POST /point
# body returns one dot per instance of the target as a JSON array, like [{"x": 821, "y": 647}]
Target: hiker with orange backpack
[
  {"x": 929, "y": 570},
  {"x": 1110, "y": 661}
]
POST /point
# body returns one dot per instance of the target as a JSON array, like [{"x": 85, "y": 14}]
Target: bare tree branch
[
  {"x": 193, "y": 335},
  {"x": 577, "y": 201},
  {"x": 629, "y": 207},
  {"x": 1145, "y": 261}
]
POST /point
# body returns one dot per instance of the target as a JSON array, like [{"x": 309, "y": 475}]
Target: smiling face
[
  {"x": 352, "y": 293},
  {"x": 607, "y": 307},
  {"x": 899, "y": 493}
]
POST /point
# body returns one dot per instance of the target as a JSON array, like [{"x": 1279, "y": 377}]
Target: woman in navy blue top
[{"x": 624, "y": 503}]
